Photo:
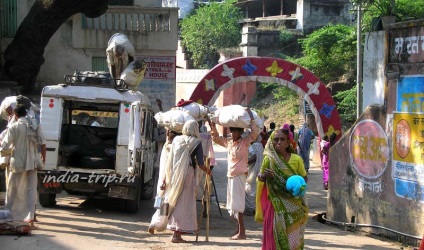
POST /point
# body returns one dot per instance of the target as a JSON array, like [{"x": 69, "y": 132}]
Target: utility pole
[{"x": 359, "y": 62}]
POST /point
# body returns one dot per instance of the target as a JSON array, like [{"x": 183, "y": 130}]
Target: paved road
[{"x": 99, "y": 223}]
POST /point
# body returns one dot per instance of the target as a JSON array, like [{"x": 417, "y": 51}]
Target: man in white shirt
[
  {"x": 119, "y": 53},
  {"x": 22, "y": 139}
]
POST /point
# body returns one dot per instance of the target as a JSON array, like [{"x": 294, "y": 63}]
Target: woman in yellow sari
[{"x": 284, "y": 216}]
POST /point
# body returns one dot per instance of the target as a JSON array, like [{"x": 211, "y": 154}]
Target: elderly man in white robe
[{"x": 22, "y": 140}]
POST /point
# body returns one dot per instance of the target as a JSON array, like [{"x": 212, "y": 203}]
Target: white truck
[{"x": 99, "y": 140}]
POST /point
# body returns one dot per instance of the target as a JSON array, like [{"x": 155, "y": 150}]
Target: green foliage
[
  {"x": 403, "y": 10},
  {"x": 346, "y": 106},
  {"x": 263, "y": 89},
  {"x": 329, "y": 52},
  {"x": 286, "y": 36},
  {"x": 277, "y": 101},
  {"x": 210, "y": 28},
  {"x": 407, "y": 9}
]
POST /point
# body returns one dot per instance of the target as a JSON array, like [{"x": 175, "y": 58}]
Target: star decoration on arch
[
  {"x": 274, "y": 69},
  {"x": 249, "y": 68},
  {"x": 327, "y": 110},
  {"x": 313, "y": 88},
  {"x": 227, "y": 71},
  {"x": 209, "y": 84},
  {"x": 295, "y": 74},
  {"x": 332, "y": 130}
]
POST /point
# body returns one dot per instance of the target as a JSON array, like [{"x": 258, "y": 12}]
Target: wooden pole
[{"x": 208, "y": 199}]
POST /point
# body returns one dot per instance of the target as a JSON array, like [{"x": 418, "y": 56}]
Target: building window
[
  {"x": 99, "y": 64},
  {"x": 8, "y": 18},
  {"x": 121, "y": 2}
]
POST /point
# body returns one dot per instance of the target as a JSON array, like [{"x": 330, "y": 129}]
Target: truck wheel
[
  {"x": 47, "y": 199},
  {"x": 148, "y": 189},
  {"x": 132, "y": 206}
]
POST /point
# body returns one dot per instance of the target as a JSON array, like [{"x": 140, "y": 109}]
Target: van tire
[
  {"x": 47, "y": 199},
  {"x": 132, "y": 206}
]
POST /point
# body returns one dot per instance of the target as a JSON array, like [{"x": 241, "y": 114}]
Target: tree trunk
[{"x": 24, "y": 56}]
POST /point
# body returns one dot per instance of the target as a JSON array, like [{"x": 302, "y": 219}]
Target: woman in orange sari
[{"x": 284, "y": 216}]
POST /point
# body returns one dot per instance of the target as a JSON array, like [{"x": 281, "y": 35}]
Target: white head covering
[{"x": 191, "y": 128}]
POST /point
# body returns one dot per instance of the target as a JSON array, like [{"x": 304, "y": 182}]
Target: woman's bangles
[{"x": 261, "y": 178}]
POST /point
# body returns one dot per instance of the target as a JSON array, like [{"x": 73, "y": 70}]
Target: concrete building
[
  {"x": 80, "y": 42},
  {"x": 303, "y": 15}
]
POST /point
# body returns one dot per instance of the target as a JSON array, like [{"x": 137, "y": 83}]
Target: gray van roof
[{"x": 91, "y": 93}]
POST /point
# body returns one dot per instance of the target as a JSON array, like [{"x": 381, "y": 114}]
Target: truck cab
[{"x": 99, "y": 140}]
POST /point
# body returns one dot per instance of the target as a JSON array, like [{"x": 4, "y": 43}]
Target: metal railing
[{"x": 134, "y": 19}]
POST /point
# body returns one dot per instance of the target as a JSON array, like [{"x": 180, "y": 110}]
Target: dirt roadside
[{"x": 92, "y": 224}]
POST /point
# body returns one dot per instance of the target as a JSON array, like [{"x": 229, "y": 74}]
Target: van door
[
  {"x": 51, "y": 115},
  {"x": 135, "y": 143}
]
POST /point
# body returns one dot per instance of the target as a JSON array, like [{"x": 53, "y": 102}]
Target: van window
[{"x": 108, "y": 119}]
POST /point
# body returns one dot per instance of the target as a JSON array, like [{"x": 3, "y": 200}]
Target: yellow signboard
[
  {"x": 96, "y": 113},
  {"x": 408, "y": 137}
]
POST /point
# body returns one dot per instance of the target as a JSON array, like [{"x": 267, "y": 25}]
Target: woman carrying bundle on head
[{"x": 186, "y": 154}]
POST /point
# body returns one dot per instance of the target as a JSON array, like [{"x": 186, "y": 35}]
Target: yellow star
[
  {"x": 274, "y": 69},
  {"x": 331, "y": 130},
  {"x": 200, "y": 101}
]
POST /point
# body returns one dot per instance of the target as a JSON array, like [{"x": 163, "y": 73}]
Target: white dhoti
[
  {"x": 236, "y": 195},
  {"x": 21, "y": 195}
]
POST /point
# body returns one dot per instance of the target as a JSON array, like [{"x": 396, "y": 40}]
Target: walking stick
[
  {"x": 216, "y": 195},
  {"x": 208, "y": 200}
]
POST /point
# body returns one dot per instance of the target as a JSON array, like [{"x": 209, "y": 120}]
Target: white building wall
[
  {"x": 187, "y": 80},
  {"x": 373, "y": 69}
]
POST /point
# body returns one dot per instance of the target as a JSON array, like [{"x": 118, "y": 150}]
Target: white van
[{"x": 99, "y": 141}]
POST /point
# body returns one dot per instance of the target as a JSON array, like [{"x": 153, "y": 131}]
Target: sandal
[{"x": 178, "y": 240}]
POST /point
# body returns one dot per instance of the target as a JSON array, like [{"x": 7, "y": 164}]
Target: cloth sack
[
  {"x": 197, "y": 111},
  {"x": 133, "y": 74},
  {"x": 159, "y": 222},
  {"x": 173, "y": 119},
  {"x": 235, "y": 116}
]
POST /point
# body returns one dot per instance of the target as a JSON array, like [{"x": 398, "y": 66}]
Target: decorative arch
[{"x": 272, "y": 70}]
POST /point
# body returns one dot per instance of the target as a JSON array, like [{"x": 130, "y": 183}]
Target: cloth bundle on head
[
  {"x": 197, "y": 111},
  {"x": 235, "y": 116},
  {"x": 173, "y": 119},
  {"x": 296, "y": 185}
]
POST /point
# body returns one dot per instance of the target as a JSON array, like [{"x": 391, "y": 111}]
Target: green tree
[
  {"x": 403, "y": 10},
  {"x": 346, "y": 106},
  {"x": 24, "y": 56},
  {"x": 330, "y": 52},
  {"x": 211, "y": 27}
]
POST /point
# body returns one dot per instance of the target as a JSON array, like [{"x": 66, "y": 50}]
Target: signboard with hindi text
[
  {"x": 408, "y": 155},
  {"x": 159, "y": 80}
]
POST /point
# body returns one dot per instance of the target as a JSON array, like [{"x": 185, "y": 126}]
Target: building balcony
[{"x": 146, "y": 28}]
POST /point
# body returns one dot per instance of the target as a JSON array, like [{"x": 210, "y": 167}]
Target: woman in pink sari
[
  {"x": 325, "y": 159},
  {"x": 284, "y": 216}
]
